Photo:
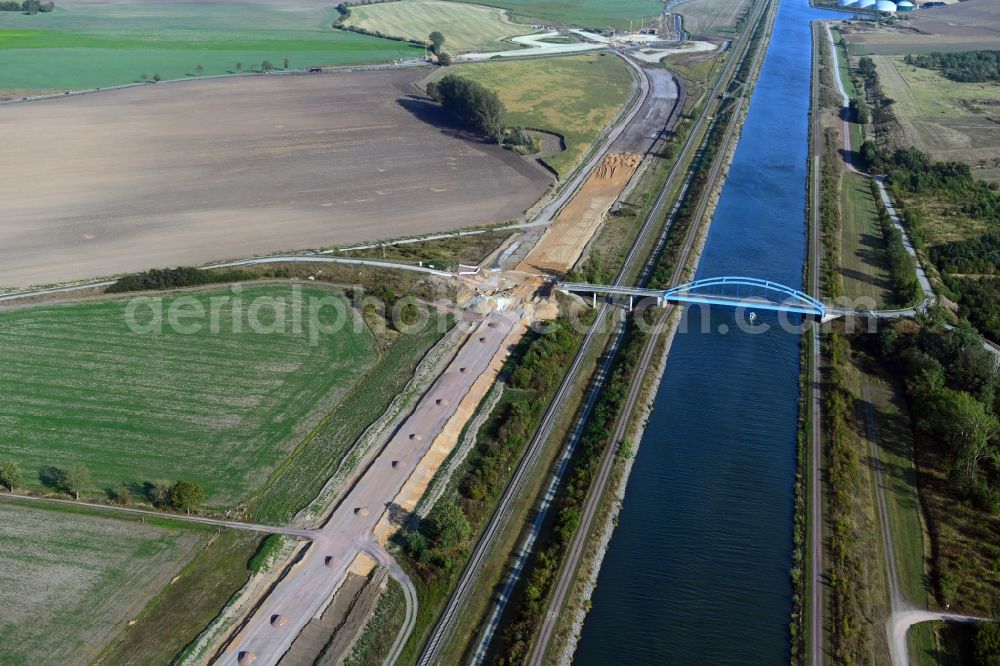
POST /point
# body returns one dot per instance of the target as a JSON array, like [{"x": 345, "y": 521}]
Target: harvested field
[
  {"x": 566, "y": 238},
  {"x": 962, "y": 26},
  {"x": 944, "y": 118},
  {"x": 86, "y": 44},
  {"x": 465, "y": 27},
  {"x": 69, "y": 582},
  {"x": 575, "y": 97},
  {"x": 188, "y": 173},
  {"x": 712, "y": 18},
  {"x": 221, "y": 409}
]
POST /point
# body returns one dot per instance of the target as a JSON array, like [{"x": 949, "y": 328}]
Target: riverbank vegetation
[{"x": 531, "y": 598}]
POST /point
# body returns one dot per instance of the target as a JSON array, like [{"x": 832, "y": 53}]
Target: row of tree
[
  {"x": 75, "y": 479},
  {"x": 28, "y": 6},
  {"x": 902, "y": 266}
]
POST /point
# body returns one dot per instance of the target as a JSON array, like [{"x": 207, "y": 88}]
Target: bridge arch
[{"x": 738, "y": 291}]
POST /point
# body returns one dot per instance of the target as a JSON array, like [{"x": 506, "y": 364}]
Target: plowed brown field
[{"x": 192, "y": 172}]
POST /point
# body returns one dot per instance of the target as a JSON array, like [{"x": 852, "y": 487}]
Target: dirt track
[
  {"x": 564, "y": 241},
  {"x": 197, "y": 171}
]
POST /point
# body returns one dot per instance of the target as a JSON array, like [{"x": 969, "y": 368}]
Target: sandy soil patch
[
  {"x": 565, "y": 239},
  {"x": 213, "y": 169},
  {"x": 447, "y": 439}
]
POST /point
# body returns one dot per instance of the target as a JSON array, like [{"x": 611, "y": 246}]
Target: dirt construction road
[
  {"x": 198, "y": 171},
  {"x": 297, "y": 598}
]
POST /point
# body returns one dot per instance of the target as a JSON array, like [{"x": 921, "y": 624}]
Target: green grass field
[
  {"x": 863, "y": 262},
  {"x": 71, "y": 581},
  {"x": 465, "y": 27},
  {"x": 584, "y": 13},
  {"x": 222, "y": 409},
  {"x": 99, "y": 45},
  {"x": 575, "y": 97},
  {"x": 895, "y": 452}
]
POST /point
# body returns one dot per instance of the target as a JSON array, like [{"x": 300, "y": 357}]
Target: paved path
[
  {"x": 256, "y": 261},
  {"x": 899, "y": 624},
  {"x": 535, "y": 46}
]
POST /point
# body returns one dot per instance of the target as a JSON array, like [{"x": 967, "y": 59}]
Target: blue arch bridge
[{"x": 738, "y": 292}]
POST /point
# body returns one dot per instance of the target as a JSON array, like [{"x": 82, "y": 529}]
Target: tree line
[
  {"x": 76, "y": 479},
  {"x": 28, "y": 6},
  {"x": 963, "y": 67},
  {"x": 171, "y": 278}
]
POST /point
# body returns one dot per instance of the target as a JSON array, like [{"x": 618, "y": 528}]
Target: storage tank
[
  {"x": 905, "y": 6},
  {"x": 865, "y": 4},
  {"x": 885, "y": 6},
  {"x": 847, "y": 3}
]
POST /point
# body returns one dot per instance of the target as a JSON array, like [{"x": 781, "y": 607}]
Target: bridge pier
[
  {"x": 630, "y": 302},
  {"x": 594, "y": 298}
]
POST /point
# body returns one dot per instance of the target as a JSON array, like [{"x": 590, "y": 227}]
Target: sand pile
[{"x": 566, "y": 238}]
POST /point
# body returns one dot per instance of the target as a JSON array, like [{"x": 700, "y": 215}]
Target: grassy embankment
[
  {"x": 442, "y": 252},
  {"x": 98, "y": 45},
  {"x": 381, "y": 629},
  {"x": 864, "y": 420},
  {"x": 465, "y": 27},
  {"x": 575, "y": 97},
  {"x": 222, "y": 409},
  {"x": 182, "y": 610},
  {"x": 70, "y": 580}
]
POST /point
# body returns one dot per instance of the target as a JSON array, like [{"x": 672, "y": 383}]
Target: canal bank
[{"x": 698, "y": 569}]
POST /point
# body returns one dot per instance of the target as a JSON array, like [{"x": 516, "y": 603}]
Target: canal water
[{"x": 697, "y": 571}]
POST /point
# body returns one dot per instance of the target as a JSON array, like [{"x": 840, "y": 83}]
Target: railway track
[
  {"x": 501, "y": 516},
  {"x": 568, "y": 572}
]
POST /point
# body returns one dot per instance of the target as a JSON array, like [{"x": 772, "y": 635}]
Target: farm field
[
  {"x": 168, "y": 175},
  {"x": 712, "y": 18},
  {"x": 85, "y": 44},
  {"x": 70, "y": 582},
  {"x": 584, "y": 13},
  {"x": 958, "y": 27},
  {"x": 575, "y": 97},
  {"x": 221, "y": 409},
  {"x": 944, "y": 118},
  {"x": 465, "y": 27}
]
